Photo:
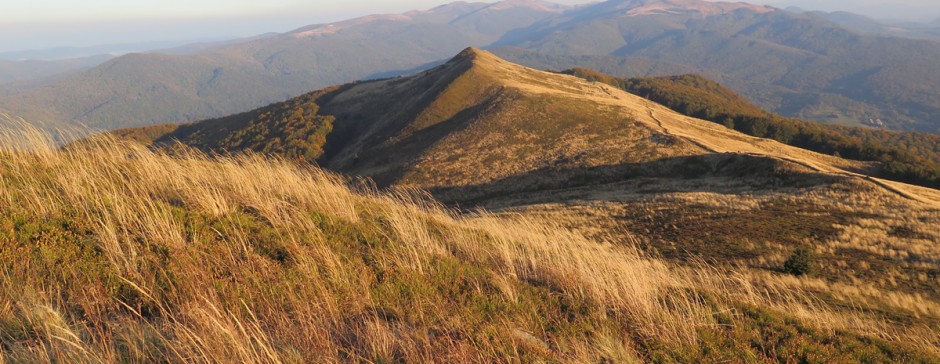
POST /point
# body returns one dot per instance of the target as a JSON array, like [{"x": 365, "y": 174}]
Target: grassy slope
[
  {"x": 111, "y": 252},
  {"x": 122, "y": 253},
  {"x": 544, "y": 120},
  {"x": 473, "y": 121},
  {"x": 908, "y": 157},
  {"x": 481, "y": 129}
]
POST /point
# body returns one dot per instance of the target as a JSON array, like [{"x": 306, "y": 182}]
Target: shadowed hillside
[{"x": 293, "y": 129}]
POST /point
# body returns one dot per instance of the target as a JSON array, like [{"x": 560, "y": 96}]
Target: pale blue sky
[{"x": 34, "y": 24}]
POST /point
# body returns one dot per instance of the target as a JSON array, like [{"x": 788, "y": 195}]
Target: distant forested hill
[
  {"x": 29, "y": 70},
  {"x": 796, "y": 65}
]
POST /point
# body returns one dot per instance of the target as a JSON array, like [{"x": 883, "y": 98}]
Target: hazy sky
[{"x": 35, "y": 24}]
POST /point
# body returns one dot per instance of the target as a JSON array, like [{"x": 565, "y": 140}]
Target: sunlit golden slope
[
  {"x": 479, "y": 119},
  {"x": 110, "y": 252}
]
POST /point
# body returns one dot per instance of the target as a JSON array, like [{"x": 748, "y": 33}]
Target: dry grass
[
  {"x": 876, "y": 252},
  {"x": 112, "y": 252}
]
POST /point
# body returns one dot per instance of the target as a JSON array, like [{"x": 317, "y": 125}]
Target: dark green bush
[{"x": 800, "y": 263}]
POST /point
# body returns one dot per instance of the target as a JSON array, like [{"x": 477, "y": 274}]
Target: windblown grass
[{"x": 113, "y": 252}]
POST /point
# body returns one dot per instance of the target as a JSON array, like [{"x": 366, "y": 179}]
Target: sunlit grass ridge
[{"x": 113, "y": 252}]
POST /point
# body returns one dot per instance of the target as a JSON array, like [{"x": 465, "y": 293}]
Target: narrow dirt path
[
  {"x": 884, "y": 186},
  {"x": 667, "y": 132}
]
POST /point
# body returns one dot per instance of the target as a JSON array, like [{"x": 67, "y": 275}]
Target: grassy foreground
[{"x": 112, "y": 252}]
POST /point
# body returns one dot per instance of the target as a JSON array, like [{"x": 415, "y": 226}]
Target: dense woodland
[{"x": 907, "y": 157}]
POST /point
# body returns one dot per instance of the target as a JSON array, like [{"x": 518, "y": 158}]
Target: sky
[{"x": 40, "y": 24}]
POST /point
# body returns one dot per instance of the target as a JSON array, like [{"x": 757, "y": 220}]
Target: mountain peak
[
  {"x": 473, "y": 53},
  {"x": 472, "y": 57},
  {"x": 470, "y": 52}
]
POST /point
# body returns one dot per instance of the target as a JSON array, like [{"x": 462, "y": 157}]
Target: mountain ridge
[
  {"x": 907, "y": 157},
  {"x": 477, "y": 118}
]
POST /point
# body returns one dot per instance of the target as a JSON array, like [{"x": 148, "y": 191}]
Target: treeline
[{"x": 907, "y": 157}]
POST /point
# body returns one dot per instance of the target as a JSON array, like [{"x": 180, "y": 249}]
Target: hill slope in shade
[{"x": 293, "y": 129}]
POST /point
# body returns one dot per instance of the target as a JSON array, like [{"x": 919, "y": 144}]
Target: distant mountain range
[
  {"x": 141, "y": 89},
  {"x": 793, "y": 64},
  {"x": 33, "y": 70},
  {"x": 65, "y": 53},
  {"x": 28, "y": 69},
  {"x": 867, "y": 25}
]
